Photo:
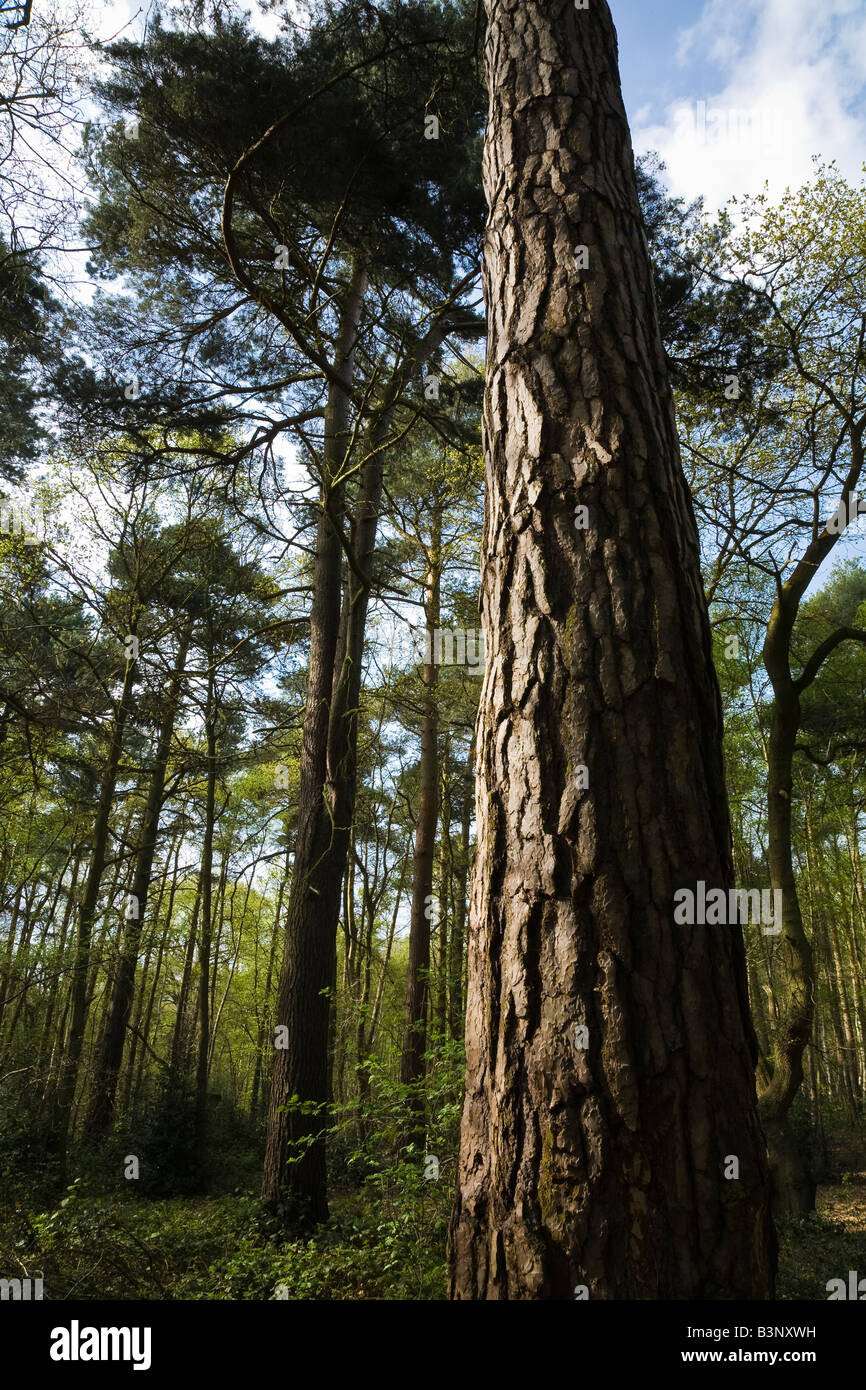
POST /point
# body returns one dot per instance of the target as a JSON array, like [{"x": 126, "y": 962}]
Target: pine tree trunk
[
  {"x": 132, "y": 1088},
  {"x": 412, "y": 1066},
  {"x": 793, "y": 1186},
  {"x": 205, "y": 943},
  {"x": 43, "y": 1070},
  {"x": 265, "y": 1021},
  {"x": 64, "y": 1097},
  {"x": 9, "y": 955},
  {"x": 597, "y": 1167},
  {"x": 456, "y": 1006},
  {"x": 446, "y": 879},
  {"x": 331, "y": 843},
  {"x": 180, "y": 1033},
  {"x": 101, "y": 1112},
  {"x": 301, "y": 1069}
]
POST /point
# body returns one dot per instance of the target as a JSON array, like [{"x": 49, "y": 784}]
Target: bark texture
[{"x": 599, "y": 1166}]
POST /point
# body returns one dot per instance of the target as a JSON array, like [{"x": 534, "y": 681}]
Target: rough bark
[{"x": 599, "y": 1167}]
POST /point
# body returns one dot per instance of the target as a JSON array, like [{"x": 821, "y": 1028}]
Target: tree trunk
[
  {"x": 412, "y": 1065},
  {"x": 455, "y": 963},
  {"x": 101, "y": 1112},
  {"x": 265, "y": 1020},
  {"x": 792, "y": 1185},
  {"x": 301, "y": 1068},
  {"x": 6, "y": 972},
  {"x": 594, "y": 1161},
  {"x": 321, "y": 904},
  {"x": 132, "y": 1088},
  {"x": 180, "y": 1033},
  {"x": 204, "y": 953},
  {"x": 43, "y": 1070},
  {"x": 446, "y": 892},
  {"x": 65, "y": 1094}
]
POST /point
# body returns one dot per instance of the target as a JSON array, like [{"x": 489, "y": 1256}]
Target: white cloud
[{"x": 789, "y": 82}]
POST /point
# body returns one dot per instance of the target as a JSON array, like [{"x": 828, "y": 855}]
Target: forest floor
[
  {"x": 384, "y": 1241},
  {"x": 831, "y": 1241},
  {"x": 845, "y": 1205}
]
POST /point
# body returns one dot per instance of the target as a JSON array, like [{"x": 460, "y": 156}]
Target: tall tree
[
  {"x": 418, "y": 975},
  {"x": 610, "y": 1138},
  {"x": 306, "y": 977},
  {"x": 107, "y": 1068}
]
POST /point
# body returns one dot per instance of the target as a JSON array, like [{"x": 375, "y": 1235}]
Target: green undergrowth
[
  {"x": 813, "y": 1250},
  {"x": 386, "y": 1237},
  {"x": 377, "y": 1244}
]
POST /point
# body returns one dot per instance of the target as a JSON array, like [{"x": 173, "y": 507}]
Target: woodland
[{"x": 427, "y": 547}]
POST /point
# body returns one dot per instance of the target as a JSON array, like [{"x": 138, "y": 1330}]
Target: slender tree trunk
[
  {"x": 30, "y": 966},
  {"x": 793, "y": 1187},
  {"x": 446, "y": 895},
  {"x": 204, "y": 954},
  {"x": 180, "y": 1033},
  {"x": 362, "y": 982},
  {"x": 323, "y": 901},
  {"x": 373, "y": 1030},
  {"x": 456, "y": 1007},
  {"x": 139, "y": 1034},
  {"x": 65, "y": 1094},
  {"x": 301, "y": 1068},
  {"x": 132, "y": 1087},
  {"x": 610, "y": 1051},
  {"x": 9, "y": 955},
  {"x": 45, "y": 1047},
  {"x": 412, "y": 1066},
  {"x": 265, "y": 1021},
  {"x": 101, "y": 1112},
  {"x": 221, "y": 898}
]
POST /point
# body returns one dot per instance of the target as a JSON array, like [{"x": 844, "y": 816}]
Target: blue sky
[
  {"x": 647, "y": 34},
  {"x": 736, "y": 92}
]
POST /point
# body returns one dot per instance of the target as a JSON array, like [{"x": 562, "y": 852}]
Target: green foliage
[
  {"x": 94, "y": 1247},
  {"x": 386, "y": 1237}
]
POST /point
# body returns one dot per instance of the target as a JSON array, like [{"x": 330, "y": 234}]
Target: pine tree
[{"x": 610, "y": 1140}]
